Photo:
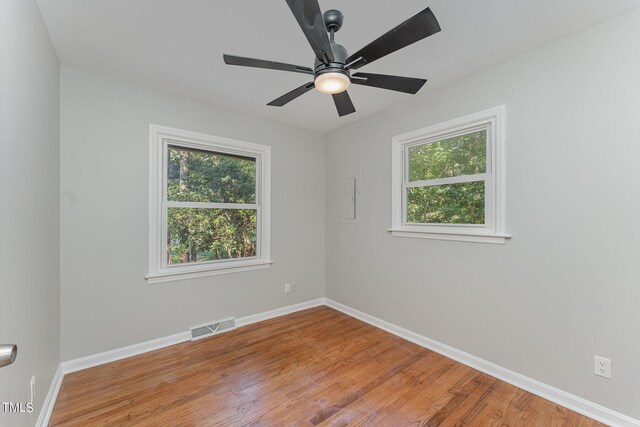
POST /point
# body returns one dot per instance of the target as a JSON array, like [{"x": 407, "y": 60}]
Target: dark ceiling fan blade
[
  {"x": 260, "y": 63},
  {"x": 288, "y": 97},
  {"x": 309, "y": 17},
  {"x": 343, "y": 103},
  {"x": 397, "y": 83},
  {"x": 410, "y": 31}
]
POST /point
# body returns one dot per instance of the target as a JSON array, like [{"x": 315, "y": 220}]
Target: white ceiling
[{"x": 177, "y": 45}]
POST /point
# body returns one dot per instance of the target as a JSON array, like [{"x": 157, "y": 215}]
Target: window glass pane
[
  {"x": 201, "y": 235},
  {"x": 460, "y": 155},
  {"x": 461, "y": 203},
  {"x": 206, "y": 176}
]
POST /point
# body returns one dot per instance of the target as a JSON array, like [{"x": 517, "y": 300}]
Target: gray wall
[
  {"x": 106, "y": 302},
  {"x": 566, "y": 287},
  {"x": 29, "y": 212}
]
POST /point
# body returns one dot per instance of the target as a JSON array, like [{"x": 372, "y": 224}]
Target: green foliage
[
  {"x": 460, "y": 203},
  {"x": 210, "y": 177},
  {"x": 447, "y": 204},
  {"x": 457, "y": 156},
  {"x": 198, "y": 235}
]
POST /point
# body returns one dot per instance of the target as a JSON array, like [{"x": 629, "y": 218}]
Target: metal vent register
[{"x": 204, "y": 331}]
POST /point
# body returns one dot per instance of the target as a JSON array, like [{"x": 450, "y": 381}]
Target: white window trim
[
  {"x": 494, "y": 230},
  {"x": 159, "y": 138}
]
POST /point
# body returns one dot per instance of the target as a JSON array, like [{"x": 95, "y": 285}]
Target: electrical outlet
[
  {"x": 287, "y": 288},
  {"x": 292, "y": 287},
  {"x": 602, "y": 367},
  {"x": 33, "y": 388}
]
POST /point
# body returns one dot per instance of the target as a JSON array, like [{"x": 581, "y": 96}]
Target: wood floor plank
[
  {"x": 385, "y": 400},
  {"x": 317, "y": 367}
]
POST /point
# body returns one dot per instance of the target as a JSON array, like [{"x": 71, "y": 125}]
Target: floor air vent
[{"x": 204, "y": 331}]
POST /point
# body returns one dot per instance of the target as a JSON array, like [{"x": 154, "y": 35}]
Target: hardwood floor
[{"x": 314, "y": 367}]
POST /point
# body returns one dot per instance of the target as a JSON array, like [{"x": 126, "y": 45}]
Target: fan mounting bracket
[{"x": 333, "y": 20}]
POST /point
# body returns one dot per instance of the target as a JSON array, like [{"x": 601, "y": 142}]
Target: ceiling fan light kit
[
  {"x": 332, "y": 82},
  {"x": 333, "y": 65}
]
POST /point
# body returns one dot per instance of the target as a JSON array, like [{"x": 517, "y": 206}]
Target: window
[
  {"x": 208, "y": 205},
  {"x": 448, "y": 180}
]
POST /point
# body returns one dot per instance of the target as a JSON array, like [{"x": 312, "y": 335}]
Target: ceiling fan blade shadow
[
  {"x": 416, "y": 28},
  {"x": 343, "y": 103},
  {"x": 397, "y": 83},
  {"x": 290, "y": 96},
  {"x": 260, "y": 63},
  {"x": 309, "y": 17}
]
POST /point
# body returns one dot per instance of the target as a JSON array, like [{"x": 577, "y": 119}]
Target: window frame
[
  {"x": 493, "y": 230},
  {"x": 160, "y": 138}
]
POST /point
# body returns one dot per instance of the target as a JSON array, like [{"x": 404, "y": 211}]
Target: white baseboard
[
  {"x": 575, "y": 403},
  {"x": 145, "y": 347},
  {"x": 136, "y": 349},
  {"x": 568, "y": 400},
  {"x": 122, "y": 353},
  {"x": 50, "y": 400},
  {"x": 244, "y": 321}
]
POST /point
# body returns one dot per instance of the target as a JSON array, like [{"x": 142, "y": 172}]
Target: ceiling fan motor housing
[{"x": 340, "y": 56}]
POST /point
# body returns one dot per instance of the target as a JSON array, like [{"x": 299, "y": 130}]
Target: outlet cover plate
[{"x": 602, "y": 367}]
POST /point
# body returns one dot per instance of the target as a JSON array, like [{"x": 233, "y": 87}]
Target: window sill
[
  {"x": 214, "y": 270},
  {"x": 495, "y": 239}
]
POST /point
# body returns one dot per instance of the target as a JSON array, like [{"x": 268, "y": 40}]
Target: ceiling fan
[{"x": 333, "y": 66}]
